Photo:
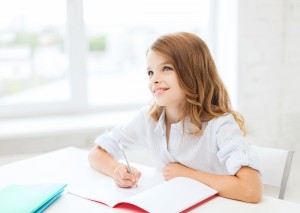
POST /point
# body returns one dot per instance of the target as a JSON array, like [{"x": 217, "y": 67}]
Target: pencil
[{"x": 127, "y": 162}]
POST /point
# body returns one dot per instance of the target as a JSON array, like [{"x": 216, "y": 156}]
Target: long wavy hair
[{"x": 206, "y": 95}]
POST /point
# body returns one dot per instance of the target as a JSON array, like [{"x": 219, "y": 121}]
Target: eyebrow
[{"x": 164, "y": 63}]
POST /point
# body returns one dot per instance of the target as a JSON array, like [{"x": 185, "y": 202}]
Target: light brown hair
[{"x": 206, "y": 95}]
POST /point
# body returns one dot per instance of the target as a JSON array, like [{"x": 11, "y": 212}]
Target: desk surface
[{"x": 70, "y": 165}]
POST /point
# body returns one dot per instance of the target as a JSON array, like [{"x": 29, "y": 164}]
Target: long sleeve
[
  {"x": 129, "y": 134},
  {"x": 233, "y": 150}
]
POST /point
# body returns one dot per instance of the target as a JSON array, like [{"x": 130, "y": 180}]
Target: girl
[{"x": 191, "y": 129}]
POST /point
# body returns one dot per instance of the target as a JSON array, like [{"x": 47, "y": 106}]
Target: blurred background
[{"x": 71, "y": 69}]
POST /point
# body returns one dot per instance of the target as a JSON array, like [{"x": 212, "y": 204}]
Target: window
[
  {"x": 78, "y": 55},
  {"x": 33, "y": 58},
  {"x": 118, "y": 34}
]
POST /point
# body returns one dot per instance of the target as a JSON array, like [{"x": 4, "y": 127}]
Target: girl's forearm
[
  {"x": 245, "y": 185},
  {"x": 101, "y": 161}
]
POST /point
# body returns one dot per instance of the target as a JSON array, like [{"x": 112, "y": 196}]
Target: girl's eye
[
  {"x": 150, "y": 73},
  {"x": 167, "y": 68}
]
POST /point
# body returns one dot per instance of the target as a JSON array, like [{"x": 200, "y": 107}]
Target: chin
[{"x": 160, "y": 103}]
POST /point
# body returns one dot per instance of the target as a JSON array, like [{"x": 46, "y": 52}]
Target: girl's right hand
[{"x": 123, "y": 178}]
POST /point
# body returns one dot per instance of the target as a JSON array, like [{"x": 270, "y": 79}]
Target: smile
[{"x": 159, "y": 91}]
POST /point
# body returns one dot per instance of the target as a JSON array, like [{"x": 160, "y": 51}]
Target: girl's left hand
[{"x": 173, "y": 170}]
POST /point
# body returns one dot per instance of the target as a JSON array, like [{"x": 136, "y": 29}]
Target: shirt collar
[
  {"x": 161, "y": 122},
  {"x": 188, "y": 127}
]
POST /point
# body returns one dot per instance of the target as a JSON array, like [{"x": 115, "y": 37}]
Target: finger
[
  {"x": 165, "y": 172},
  {"x": 136, "y": 173},
  {"x": 122, "y": 171},
  {"x": 166, "y": 168},
  {"x": 166, "y": 177},
  {"x": 125, "y": 183},
  {"x": 137, "y": 176},
  {"x": 117, "y": 181},
  {"x": 119, "y": 175},
  {"x": 122, "y": 182},
  {"x": 125, "y": 175}
]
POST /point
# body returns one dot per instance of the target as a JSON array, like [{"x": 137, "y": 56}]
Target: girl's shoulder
[
  {"x": 145, "y": 109},
  {"x": 223, "y": 125},
  {"x": 137, "y": 118},
  {"x": 142, "y": 113},
  {"x": 225, "y": 119}
]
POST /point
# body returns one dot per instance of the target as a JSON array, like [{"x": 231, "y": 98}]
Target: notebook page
[
  {"x": 106, "y": 191},
  {"x": 175, "y": 195}
]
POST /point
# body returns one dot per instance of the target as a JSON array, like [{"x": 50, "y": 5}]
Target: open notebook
[
  {"x": 148, "y": 196},
  {"x": 35, "y": 198}
]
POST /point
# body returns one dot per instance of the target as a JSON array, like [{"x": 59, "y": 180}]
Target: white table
[{"x": 70, "y": 165}]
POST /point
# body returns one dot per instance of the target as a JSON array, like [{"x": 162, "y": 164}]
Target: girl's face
[{"x": 163, "y": 81}]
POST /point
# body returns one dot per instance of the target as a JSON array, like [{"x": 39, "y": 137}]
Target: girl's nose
[{"x": 155, "y": 78}]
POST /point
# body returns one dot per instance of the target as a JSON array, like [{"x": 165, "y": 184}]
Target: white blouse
[{"x": 221, "y": 149}]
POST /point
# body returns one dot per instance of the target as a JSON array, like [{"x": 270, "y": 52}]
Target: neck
[{"x": 173, "y": 115}]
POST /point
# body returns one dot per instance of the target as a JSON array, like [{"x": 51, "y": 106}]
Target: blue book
[{"x": 29, "y": 197}]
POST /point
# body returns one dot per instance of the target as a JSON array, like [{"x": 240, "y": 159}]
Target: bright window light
[
  {"x": 118, "y": 34},
  {"x": 33, "y": 59}
]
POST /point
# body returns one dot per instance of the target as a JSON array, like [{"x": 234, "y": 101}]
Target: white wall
[{"x": 269, "y": 88}]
